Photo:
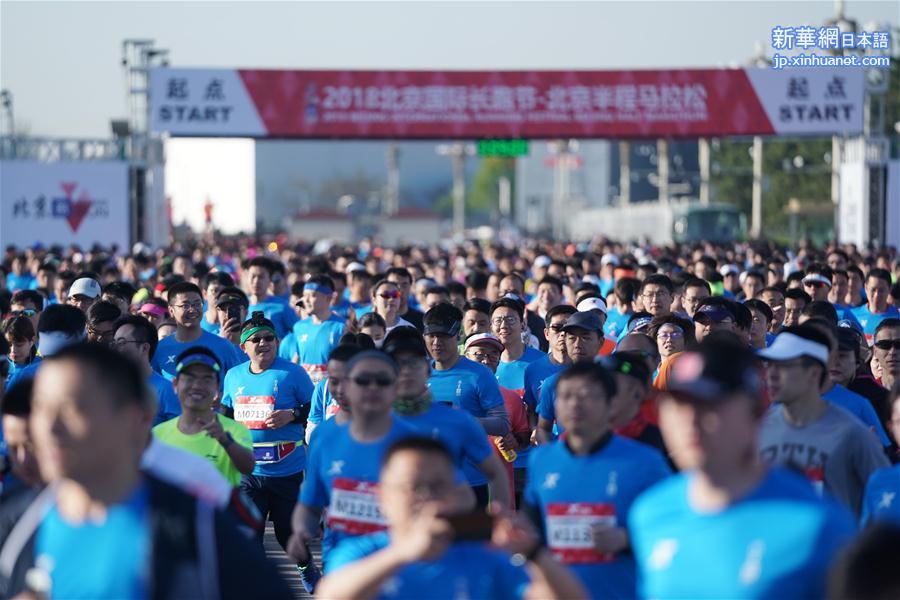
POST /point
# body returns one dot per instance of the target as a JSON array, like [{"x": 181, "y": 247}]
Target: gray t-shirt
[{"x": 836, "y": 452}]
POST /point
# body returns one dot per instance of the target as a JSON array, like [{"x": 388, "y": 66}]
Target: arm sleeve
[{"x": 496, "y": 421}]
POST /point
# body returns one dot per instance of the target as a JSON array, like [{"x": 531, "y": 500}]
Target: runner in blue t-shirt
[
  {"x": 270, "y": 396},
  {"x": 276, "y": 309},
  {"x": 583, "y": 339},
  {"x": 418, "y": 557},
  {"x": 728, "y": 526},
  {"x": 344, "y": 460},
  {"x": 318, "y": 334},
  {"x": 463, "y": 383},
  {"x": 876, "y": 309},
  {"x": 584, "y": 525},
  {"x": 458, "y": 430},
  {"x": 135, "y": 337},
  {"x": 186, "y": 306}
]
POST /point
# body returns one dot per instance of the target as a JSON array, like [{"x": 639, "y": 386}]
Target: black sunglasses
[
  {"x": 888, "y": 344},
  {"x": 367, "y": 380},
  {"x": 262, "y": 338}
]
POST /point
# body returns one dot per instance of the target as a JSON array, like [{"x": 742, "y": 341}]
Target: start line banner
[{"x": 506, "y": 104}]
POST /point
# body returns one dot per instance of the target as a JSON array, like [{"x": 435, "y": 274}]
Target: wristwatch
[{"x": 295, "y": 412}]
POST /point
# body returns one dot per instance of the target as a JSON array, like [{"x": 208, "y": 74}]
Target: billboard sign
[
  {"x": 506, "y": 104},
  {"x": 64, "y": 203}
]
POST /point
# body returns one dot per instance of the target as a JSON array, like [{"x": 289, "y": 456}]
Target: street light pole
[{"x": 457, "y": 153}]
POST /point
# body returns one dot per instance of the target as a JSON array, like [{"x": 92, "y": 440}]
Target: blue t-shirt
[
  {"x": 14, "y": 368},
  {"x": 14, "y": 282},
  {"x": 869, "y": 320},
  {"x": 459, "y": 431},
  {"x": 322, "y": 405},
  {"x": 276, "y": 310},
  {"x": 882, "y": 498},
  {"x": 342, "y": 308},
  {"x": 313, "y": 342},
  {"x": 168, "y": 405},
  {"x": 253, "y": 396},
  {"x": 616, "y": 323},
  {"x": 22, "y": 374},
  {"x": 547, "y": 402},
  {"x": 287, "y": 347},
  {"x": 861, "y": 409},
  {"x": 466, "y": 570},
  {"x": 164, "y": 360},
  {"x": 342, "y": 475},
  {"x": 472, "y": 387},
  {"x": 535, "y": 375},
  {"x": 511, "y": 375},
  {"x": 108, "y": 560},
  {"x": 776, "y": 542},
  {"x": 361, "y": 308},
  {"x": 558, "y": 487},
  {"x": 213, "y": 328}
]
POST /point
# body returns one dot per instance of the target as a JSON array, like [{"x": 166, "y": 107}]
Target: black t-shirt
[{"x": 415, "y": 317}]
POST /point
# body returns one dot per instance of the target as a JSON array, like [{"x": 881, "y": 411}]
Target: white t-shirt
[{"x": 189, "y": 472}]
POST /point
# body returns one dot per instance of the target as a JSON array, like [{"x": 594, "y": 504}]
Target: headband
[
  {"x": 245, "y": 335},
  {"x": 315, "y": 287}
]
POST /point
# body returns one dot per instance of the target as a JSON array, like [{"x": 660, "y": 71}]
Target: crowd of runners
[{"x": 544, "y": 420}]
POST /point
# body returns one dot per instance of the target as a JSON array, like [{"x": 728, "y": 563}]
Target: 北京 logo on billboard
[{"x": 74, "y": 205}]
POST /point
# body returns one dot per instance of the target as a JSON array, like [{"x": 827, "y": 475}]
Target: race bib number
[
  {"x": 316, "y": 372},
  {"x": 252, "y": 411},
  {"x": 354, "y": 507},
  {"x": 816, "y": 476},
  {"x": 569, "y": 534}
]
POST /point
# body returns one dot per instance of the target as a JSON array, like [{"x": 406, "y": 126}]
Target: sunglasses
[
  {"x": 367, "y": 380},
  {"x": 262, "y": 338},
  {"x": 888, "y": 344},
  {"x": 27, "y": 312},
  {"x": 389, "y": 295}
]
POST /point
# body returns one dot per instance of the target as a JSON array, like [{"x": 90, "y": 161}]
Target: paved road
[{"x": 285, "y": 566}]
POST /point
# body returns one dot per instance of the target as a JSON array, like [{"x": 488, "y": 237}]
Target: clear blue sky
[{"x": 61, "y": 60}]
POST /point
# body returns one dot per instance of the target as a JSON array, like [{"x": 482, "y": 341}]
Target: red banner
[{"x": 508, "y": 104}]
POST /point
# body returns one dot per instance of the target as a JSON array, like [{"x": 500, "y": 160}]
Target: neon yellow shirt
[{"x": 203, "y": 445}]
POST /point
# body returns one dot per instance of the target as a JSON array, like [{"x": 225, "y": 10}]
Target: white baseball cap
[
  {"x": 354, "y": 266},
  {"x": 542, "y": 261},
  {"x": 591, "y": 304},
  {"x": 85, "y": 287},
  {"x": 788, "y": 346},
  {"x": 727, "y": 270},
  {"x": 484, "y": 339},
  {"x": 610, "y": 259}
]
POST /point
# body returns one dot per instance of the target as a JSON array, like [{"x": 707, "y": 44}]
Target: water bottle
[{"x": 508, "y": 455}]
